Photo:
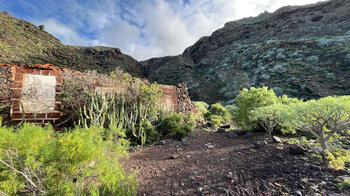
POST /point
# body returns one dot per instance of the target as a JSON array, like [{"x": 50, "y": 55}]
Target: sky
[{"x": 141, "y": 28}]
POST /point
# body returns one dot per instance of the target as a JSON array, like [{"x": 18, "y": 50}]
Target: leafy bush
[
  {"x": 293, "y": 141},
  {"x": 268, "y": 117},
  {"x": 322, "y": 118},
  {"x": 344, "y": 185},
  {"x": 201, "y": 106},
  {"x": 177, "y": 125},
  {"x": 217, "y": 114},
  {"x": 232, "y": 110},
  {"x": 219, "y": 110},
  {"x": 215, "y": 120},
  {"x": 337, "y": 158},
  {"x": 36, "y": 160},
  {"x": 248, "y": 100}
]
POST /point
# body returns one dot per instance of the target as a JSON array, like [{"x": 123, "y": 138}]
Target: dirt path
[{"x": 232, "y": 166}]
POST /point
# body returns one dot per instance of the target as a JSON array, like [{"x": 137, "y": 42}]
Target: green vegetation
[
  {"x": 268, "y": 117},
  {"x": 36, "y": 160},
  {"x": 248, "y": 100},
  {"x": 177, "y": 125},
  {"x": 344, "y": 185},
  {"x": 337, "y": 157},
  {"x": 326, "y": 119},
  {"x": 323, "y": 118},
  {"x": 24, "y": 43}
]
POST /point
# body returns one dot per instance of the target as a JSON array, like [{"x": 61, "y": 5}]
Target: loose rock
[
  {"x": 222, "y": 190},
  {"x": 296, "y": 150},
  {"x": 276, "y": 139},
  {"x": 231, "y": 134},
  {"x": 174, "y": 156},
  {"x": 260, "y": 144},
  {"x": 248, "y": 135},
  {"x": 298, "y": 193},
  {"x": 209, "y": 146},
  {"x": 221, "y": 130},
  {"x": 225, "y": 126},
  {"x": 237, "y": 131}
]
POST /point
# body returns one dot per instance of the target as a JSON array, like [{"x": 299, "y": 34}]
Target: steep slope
[
  {"x": 23, "y": 42},
  {"x": 302, "y": 51}
]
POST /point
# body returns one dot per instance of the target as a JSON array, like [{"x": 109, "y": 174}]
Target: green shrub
[
  {"x": 215, "y": 120},
  {"x": 248, "y": 100},
  {"x": 201, "y": 106},
  {"x": 293, "y": 141},
  {"x": 323, "y": 118},
  {"x": 232, "y": 110},
  {"x": 268, "y": 117},
  {"x": 177, "y": 125},
  {"x": 344, "y": 185},
  {"x": 219, "y": 110},
  {"x": 35, "y": 160},
  {"x": 217, "y": 114},
  {"x": 337, "y": 158}
]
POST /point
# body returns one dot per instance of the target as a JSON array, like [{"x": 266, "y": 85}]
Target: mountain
[
  {"x": 301, "y": 51},
  {"x": 24, "y": 43}
]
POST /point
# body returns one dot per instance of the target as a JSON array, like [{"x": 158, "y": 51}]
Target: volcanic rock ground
[{"x": 210, "y": 163}]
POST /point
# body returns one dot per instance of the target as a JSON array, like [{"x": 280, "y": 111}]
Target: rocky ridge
[
  {"x": 301, "y": 51},
  {"x": 24, "y": 43}
]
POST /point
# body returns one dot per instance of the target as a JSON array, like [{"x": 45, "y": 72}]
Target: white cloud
[
  {"x": 152, "y": 28},
  {"x": 62, "y": 32},
  {"x": 168, "y": 28}
]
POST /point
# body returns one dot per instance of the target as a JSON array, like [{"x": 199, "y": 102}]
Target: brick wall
[
  {"x": 34, "y": 90},
  {"x": 169, "y": 100},
  {"x": 39, "y": 100},
  {"x": 177, "y": 97}
]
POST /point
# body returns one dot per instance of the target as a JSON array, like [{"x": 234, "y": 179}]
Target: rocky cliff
[
  {"x": 301, "y": 51},
  {"x": 24, "y": 43}
]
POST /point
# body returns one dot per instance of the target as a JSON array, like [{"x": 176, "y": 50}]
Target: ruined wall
[
  {"x": 6, "y": 79},
  {"x": 184, "y": 103},
  {"x": 34, "y": 93},
  {"x": 169, "y": 101},
  {"x": 177, "y": 97}
]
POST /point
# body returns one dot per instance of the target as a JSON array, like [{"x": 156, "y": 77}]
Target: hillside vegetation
[
  {"x": 300, "y": 51},
  {"x": 22, "y": 42}
]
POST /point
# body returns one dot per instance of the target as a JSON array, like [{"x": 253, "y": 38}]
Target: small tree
[
  {"x": 268, "y": 117},
  {"x": 248, "y": 100},
  {"x": 322, "y": 118}
]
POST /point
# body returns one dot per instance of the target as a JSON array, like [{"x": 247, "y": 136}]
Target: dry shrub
[{"x": 78, "y": 87}]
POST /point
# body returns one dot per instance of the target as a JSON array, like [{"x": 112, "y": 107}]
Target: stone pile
[{"x": 184, "y": 102}]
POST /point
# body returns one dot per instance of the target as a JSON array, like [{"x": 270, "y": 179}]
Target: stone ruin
[{"x": 31, "y": 93}]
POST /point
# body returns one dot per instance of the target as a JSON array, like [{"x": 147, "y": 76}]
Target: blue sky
[{"x": 140, "y": 28}]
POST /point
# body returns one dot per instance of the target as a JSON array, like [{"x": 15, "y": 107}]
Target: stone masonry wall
[
  {"x": 184, "y": 103},
  {"x": 6, "y": 78}
]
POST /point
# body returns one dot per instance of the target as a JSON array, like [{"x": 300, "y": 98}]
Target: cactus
[{"x": 137, "y": 115}]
